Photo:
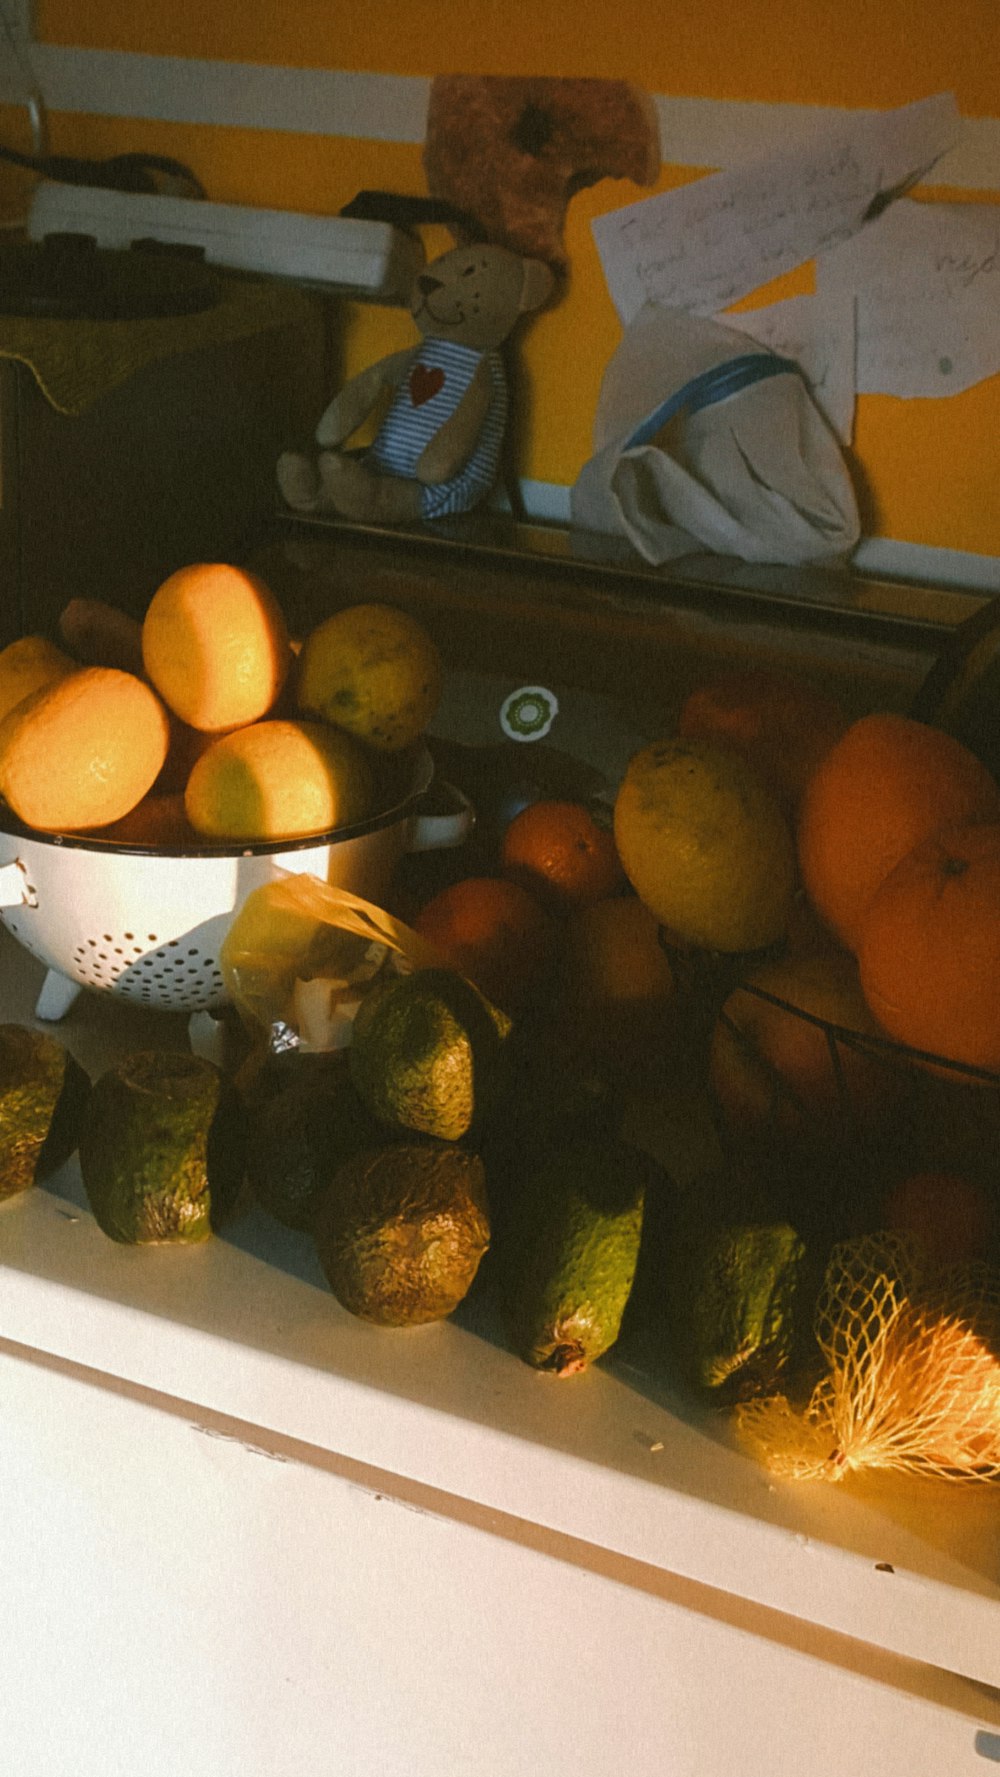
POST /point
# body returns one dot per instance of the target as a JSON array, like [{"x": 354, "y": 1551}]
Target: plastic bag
[
  {"x": 706, "y": 440},
  {"x": 300, "y": 954},
  {"x": 914, "y": 1373}
]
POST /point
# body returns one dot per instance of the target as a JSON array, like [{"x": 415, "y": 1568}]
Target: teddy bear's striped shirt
[{"x": 427, "y": 397}]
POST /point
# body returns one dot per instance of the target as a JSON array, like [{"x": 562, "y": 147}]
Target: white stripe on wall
[
  {"x": 393, "y": 108},
  {"x": 882, "y": 557}
]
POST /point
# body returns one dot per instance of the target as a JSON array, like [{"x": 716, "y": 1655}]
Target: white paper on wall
[
  {"x": 712, "y": 242},
  {"x": 818, "y": 333},
  {"x": 926, "y": 279}
]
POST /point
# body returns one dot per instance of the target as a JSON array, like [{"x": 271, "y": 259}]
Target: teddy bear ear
[{"x": 537, "y": 284}]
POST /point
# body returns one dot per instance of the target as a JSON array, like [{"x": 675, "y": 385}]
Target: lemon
[
  {"x": 278, "y": 780},
  {"x": 28, "y": 664},
  {"x": 82, "y": 750},
  {"x": 215, "y": 645},
  {"x": 705, "y": 845},
  {"x": 374, "y": 671}
]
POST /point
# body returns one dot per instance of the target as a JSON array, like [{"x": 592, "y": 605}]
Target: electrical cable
[{"x": 147, "y": 173}]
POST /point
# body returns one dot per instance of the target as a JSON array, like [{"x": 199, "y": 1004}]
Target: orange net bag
[{"x": 913, "y": 1380}]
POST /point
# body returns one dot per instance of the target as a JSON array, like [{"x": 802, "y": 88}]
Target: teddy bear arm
[
  {"x": 455, "y": 440},
  {"x": 353, "y": 404}
]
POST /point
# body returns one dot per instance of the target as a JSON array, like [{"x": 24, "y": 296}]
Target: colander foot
[{"x": 58, "y": 994}]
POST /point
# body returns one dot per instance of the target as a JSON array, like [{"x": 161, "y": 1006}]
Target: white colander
[{"x": 148, "y": 926}]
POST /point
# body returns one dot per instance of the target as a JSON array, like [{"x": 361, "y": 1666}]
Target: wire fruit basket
[{"x": 822, "y": 1143}]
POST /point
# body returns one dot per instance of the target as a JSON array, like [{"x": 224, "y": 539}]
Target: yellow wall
[{"x": 928, "y": 471}]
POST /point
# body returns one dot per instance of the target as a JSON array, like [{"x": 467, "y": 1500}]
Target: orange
[
  {"x": 215, "y": 645},
  {"x": 782, "y": 725},
  {"x": 97, "y": 634},
  {"x": 775, "y": 1072},
  {"x": 614, "y": 983},
  {"x": 610, "y": 956},
  {"x": 562, "y": 854},
  {"x": 26, "y": 665},
  {"x": 886, "y": 785},
  {"x": 158, "y": 822},
  {"x": 929, "y": 949},
  {"x": 952, "y": 1217},
  {"x": 493, "y": 931},
  {"x": 82, "y": 750},
  {"x": 185, "y": 749},
  {"x": 705, "y": 845},
  {"x": 374, "y": 671},
  {"x": 278, "y": 780}
]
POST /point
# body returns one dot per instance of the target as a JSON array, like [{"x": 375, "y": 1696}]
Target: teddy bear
[{"x": 437, "y": 450}]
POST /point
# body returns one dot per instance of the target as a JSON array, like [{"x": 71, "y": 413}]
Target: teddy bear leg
[
  {"x": 298, "y": 481},
  {"x": 357, "y": 491}
]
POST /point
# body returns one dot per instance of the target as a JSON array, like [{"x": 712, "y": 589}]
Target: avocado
[
  {"x": 567, "y": 1258},
  {"x": 43, "y": 1094},
  {"x": 426, "y": 1053},
  {"x": 400, "y": 1231},
  {"x": 554, "y": 1093},
  {"x": 162, "y": 1149},
  {"x": 300, "y": 1136},
  {"x": 735, "y": 1295}
]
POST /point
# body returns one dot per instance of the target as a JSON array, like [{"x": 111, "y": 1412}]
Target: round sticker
[{"x": 528, "y": 714}]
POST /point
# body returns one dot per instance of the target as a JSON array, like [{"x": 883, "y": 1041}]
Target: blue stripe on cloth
[
  {"x": 710, "y": 386},
  {"x": 429, "y": 395}
]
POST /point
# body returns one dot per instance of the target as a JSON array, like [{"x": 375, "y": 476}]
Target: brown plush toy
[
  {"x": 511, "y": 152},
  {"x": 437, "y": 450}
]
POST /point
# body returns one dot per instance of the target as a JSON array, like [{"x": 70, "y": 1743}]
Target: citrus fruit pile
[
  {"x": 829, "y": 885},
  {"x": 205, "y": 723},
  {"x": 791, "y": 912}
]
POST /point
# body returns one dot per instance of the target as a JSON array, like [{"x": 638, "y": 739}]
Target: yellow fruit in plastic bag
[
  {"x": 278, "y": 780},
  {"x": 82, "y": 750},
  {"x": 914, "y": 1374},
  {"x": 374, "y": 671}
]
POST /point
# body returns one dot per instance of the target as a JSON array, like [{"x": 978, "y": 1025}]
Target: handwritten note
[
  {"x": 818, "y": 333},
  {"x": 711, "y": 243},
  {"x": 926, "y": 281}
]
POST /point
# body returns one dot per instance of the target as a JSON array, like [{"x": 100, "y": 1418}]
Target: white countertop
[{"x": 246, "y": 1326}]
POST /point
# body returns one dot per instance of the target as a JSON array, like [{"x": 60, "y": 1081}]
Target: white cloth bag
[{"x": 704, "y": 440}]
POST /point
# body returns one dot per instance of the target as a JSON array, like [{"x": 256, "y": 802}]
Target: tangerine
[
  {"x": 215, "y": 645},
  {"x": 886, "y": 785},
  {"x": 929, "y": 948},
  {"x": 158, "y": 822},
  {"x": 774, "y": 1070},
  {"x": 614, "y": 983},
  {"x": 97, "y": 634},
  {"x": 82, "y": 750},
  {"x": 495, "y": 932},
  {"x": 953, "y": 1218},
  {"x": 558, "y": 851},
  {"x": 781, "y": 724}
]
